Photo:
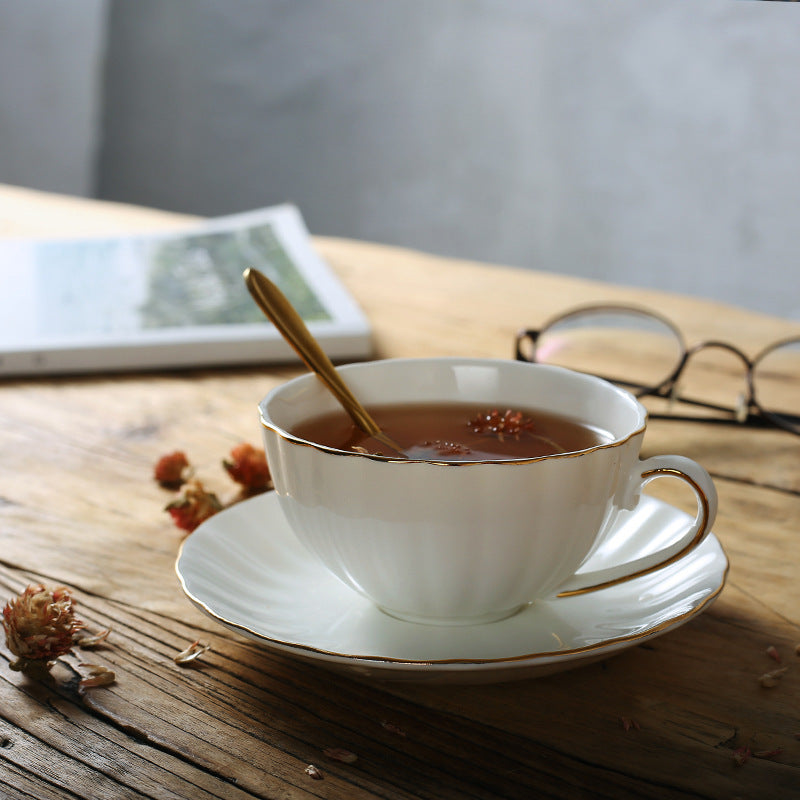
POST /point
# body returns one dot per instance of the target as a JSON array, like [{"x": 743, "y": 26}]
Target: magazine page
[{"x": 168, "y": 299}]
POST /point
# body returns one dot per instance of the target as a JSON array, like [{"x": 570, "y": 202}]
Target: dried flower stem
[
  {"x": 771, "y": 679},
  {"x": 340, "y": 754}
]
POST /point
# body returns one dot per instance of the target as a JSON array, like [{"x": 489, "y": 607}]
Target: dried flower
[
  {"x": 314, "y": 772},
  {"x": 340, "y": 754},
  {"x": 629, "y": 724},
  {"x": 509, "y": 423},
  {"x": 248, "y": 466},
  {"x": 195, "y": 505},
  {"x": 173, "y": 470},
  {"x": 98, "y": 676},
  {"x": 39, "y": 626},
  {"x": 770, "y": 679},
  {"x": 193, "y": 651},
  {"x": 773, "y": 653}
]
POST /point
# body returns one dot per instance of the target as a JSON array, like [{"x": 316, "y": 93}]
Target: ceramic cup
[{"x": 469, "y": 542}]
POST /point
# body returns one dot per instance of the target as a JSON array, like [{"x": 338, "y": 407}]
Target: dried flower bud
[
  {"x": 195, "y": 505},
  {"x": 773, "y": 653},
  {"x": 314, "y": 772},
  {"x": 173, "y": 470},
  {"x": 39, "y": 626},
  {"x": 340, "y": 754},
  {"x": 193, "y": 651},
  {"x": 248, "y": 466}
]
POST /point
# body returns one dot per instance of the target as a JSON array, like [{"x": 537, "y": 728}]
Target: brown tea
[{"x": 457, "y": 432}]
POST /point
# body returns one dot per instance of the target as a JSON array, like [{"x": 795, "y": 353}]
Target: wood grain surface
[{"x": 79, "y": 507}]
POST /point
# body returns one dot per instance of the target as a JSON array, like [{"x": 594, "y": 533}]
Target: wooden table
[{"x": 79, "y": 507}]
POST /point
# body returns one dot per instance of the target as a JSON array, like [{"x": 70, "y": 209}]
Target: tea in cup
[{"x": 515, "y": 473}]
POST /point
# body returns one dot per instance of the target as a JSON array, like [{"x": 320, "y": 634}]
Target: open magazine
[{"x": 168, "y": 300}]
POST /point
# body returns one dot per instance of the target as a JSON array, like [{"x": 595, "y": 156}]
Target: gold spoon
[{"x": 272, "y": 301}]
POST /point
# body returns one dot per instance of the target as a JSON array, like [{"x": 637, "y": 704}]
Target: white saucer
[{"x": 245, "y": 568}]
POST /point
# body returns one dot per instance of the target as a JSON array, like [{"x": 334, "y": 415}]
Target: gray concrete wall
[
  {"x": 51, "y": 57},
  {"x": 652, "y": 143},
  {"x": 645, "y": 142}
]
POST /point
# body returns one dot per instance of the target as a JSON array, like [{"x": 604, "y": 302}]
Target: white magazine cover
[{"x": 168, "y": 300}]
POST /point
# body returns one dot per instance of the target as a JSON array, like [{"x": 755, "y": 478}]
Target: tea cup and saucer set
[{"x": 464, "y": 571}]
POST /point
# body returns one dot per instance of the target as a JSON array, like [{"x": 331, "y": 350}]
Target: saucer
[{"x": 245, "y": 568}]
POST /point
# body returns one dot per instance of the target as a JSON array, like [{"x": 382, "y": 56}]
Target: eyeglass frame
[{"x": 750, "y": 412}]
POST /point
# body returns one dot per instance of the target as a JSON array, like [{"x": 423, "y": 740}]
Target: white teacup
[{"x": 468, "y": 542}]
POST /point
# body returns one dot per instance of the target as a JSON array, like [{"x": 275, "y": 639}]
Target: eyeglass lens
[
  {"x": 776, "y": 383},
  {"x": 600, "y": 342},
  {"x": 640, "y": 351}
]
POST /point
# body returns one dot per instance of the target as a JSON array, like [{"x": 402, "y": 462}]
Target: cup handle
[{"x": 649, "y": 469}]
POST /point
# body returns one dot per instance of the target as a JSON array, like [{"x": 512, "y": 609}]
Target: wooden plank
[
  {"x": 247, "y": 711},
  {"x": 237, "y": 703}
]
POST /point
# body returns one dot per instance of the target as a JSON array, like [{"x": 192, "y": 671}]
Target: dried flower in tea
[
  {"x": 40, "y": 625},
  {"x": 509, "y": 423},
  {"x": 443, "y": 448},
  {"x": 247, "y": 466},
  {"x": 195, "y": 505}
]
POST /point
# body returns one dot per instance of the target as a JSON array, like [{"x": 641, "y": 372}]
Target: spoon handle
[{"x": 283, "y": 315}]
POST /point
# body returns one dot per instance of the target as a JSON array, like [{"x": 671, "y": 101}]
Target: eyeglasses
[{"x": 645, "y": 353}]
